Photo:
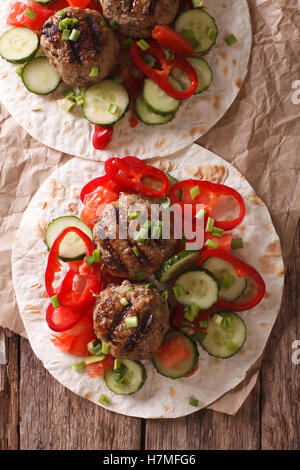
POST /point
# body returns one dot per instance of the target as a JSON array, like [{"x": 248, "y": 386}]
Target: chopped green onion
[
  {"x": 134, "y": 72},
  {"x": 131, "y": 322},
  {"x": 113, "y": 24},
  {"x": 89, "y": 260},
  {"x": 117, "y": 364},
  {"x": 195, "y": 309},
  {"x": 210, "y": 224},
  {"x": 60, "y": 14},
  {"x": 55, "y": 301},
  {"x": 19, "y": 71},
  {"x": 193, "y": 402},
  {"x": 198, "y": 336},
  {"x": 74, "y": 35},
  {"x": 149, "y": 60},
  {"x": 169, "y": 54},
  {"x": 79, "y": 100},
  {"x": 135, "y": 251},
  {"x": 36, "y": 110},
  {"x": 227, "y": 321},
  {"x": 149, "y": 285},
  {"x": 104, "y": 399},
  {"x": 237, "y": 243},
  {"x": 231, "y": 39},
  {"x": 166, "y": 204},
  {"x": 178, "y": 291},
  {"x": 156, "y": 231},
  {"x": 212, "y": 34},
  {"x": 102, "y": 22},
  {"x": 119, "y": 374},
  {"x": 198, "y": 4},
  {"x": 143, "y": 232},
  {"x": 130, "y": 288},
  {"x": 66, "y": 35},
  {"x": 128, "y": 43},
  {"x": 230, "y": 345},
  {"x": 203, "y": 324},
  {"x": 194, "y": 192},
  {"x": 105, "y": 347},
  {"x": 133, "y": 215},
  {"x": 217, "y": 319},
  {"x": 143, "y": 44},
  {"x": 66, "y": 104},
  {"x": 246, "y": 291},
  {"x": 93, "y": 347},
  {"x": 217, "y": 232},
  {"x": 165, "y": 296},
  {"x": 118, "y": 79},
  {"x": 113, "y": 108},
  {"x": 211, "y": 244},
  {"x": 140, "y": 275},
  {"x": 96, "y": 256},
  {"x": 75, "y": 21},
  {"x": 94, "y": 71},
  {"x": 124, "y": 301},
  {"x": 227, "y": 281},
  {"x": 200, "y": 215},
  {"x": 77, "y": 366},
  {"x": 94, "y": 359},
  {"x": 189, "y": 35},
  {"x": 30, "y": 13},
  {"x": 186, "y": 323},
  {"x": 69, "y": 94},
  {"x": 188, "y": 314}
]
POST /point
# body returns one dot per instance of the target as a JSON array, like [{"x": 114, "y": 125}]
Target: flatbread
[
  {"x": 72, "y": 134},
  {"x": 160, "y": 397}
]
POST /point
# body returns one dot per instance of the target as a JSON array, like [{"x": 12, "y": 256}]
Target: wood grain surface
[{"x": 36, "y": 412}]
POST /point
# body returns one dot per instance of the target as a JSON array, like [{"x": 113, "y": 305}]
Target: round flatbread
[
  {"x": 72, "y": 134},
  {"x": 160, "y": 397}
]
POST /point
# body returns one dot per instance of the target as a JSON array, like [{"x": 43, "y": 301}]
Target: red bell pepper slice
[
  {"x": 169, "y": 39},
  {"x": 104, "y": 182},
  {"x": 242, "y": 269},
  {"x": 62, "y": 318},
  {"x": 73, "y": 298},
  {"x": 133, "y": 82},
  {"x": 129, "y": 171},
  {"x": 161, "y": 75},
  {"x": 208, "y": 196}
]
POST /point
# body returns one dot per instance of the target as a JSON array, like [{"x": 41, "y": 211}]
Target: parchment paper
[{"x": 259, "y": 135}]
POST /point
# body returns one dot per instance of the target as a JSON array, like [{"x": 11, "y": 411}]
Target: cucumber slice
[
  {"x": 101, "y": 97},
  {"x": 72, "y": 247},
  {"x": 133, "y": 379},
  {"x": 221, "y": 340},
  {"x": 149, "y": 117},
  {"x": 157, "y": 100},
  {"x": 199, "y": 27},
  {"x": 235, "y": 285},
  {"x": 204, "y": 73},
  {"x": 18, "y": 45},
  {"x": 177, "y": 264},
  {"x": 39, "y": 77},
  {"x": 200, "y": 288},
  {"x": 184, "y": 367},
  {"x": 43, "y": 2}
]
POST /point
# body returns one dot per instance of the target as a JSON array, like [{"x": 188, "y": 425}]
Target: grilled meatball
[
  {"x": 95, "y": 47},
  {"x": 146, "y": 304},
  {"x": 137, "y": 18},
  {"x": 123, "y": 257}
]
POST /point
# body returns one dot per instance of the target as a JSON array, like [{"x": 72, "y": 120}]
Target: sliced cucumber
[
  {"x": 105, "y": 103},
  {"x": 198, "y": 287},
  {"x": 203, "y": 71},
  {"x": 18, "y": 45},
  {"x": 72, "y": 247},
  {"x": 184, "y": 367},
  {"x": 226, "y": 335},
  {"x": 132, "y": 379},
  {"x": 149, "y": 117},
  {"x": 43, "y": 2},
  {"x": 199, "y": 27},
  {"x": 231, "y": 286},
  {"x": 39, "y": 77},
  {"x": 177, "y": 264},
  {"x": 157, "y": 100}
]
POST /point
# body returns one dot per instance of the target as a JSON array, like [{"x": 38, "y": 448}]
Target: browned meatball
[
  {"x": 96, "y": 46},
  {"x": 127, "y": 257},
  {"x": 137, "y": 18},
  {"x": 152, "y": 313}
]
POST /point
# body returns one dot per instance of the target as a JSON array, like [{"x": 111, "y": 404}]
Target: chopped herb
[
  {"x": 195, "y": 309},
  {"x": 133, "y": 215},
  {"x": 231, "y": 39},
  {"x": 165, "y": 296},
  {"x": 104, "y": 399},
  {"x": 105, "y": 347},
  {"x": 212, "y": 34},
  {"x": 124, "y": 301},
  {"x": 186, "y": 323},
  {"x": 128, "y": 43},
  {"x": 188, "y": 34},
  {"x": 143, "y": 232},
  {"x": 89, "y": 260},
  {"x": 118, "y": 79},
  {"x": 193, "y": 402},
  {"x": 149, "y": 60},
  {"x": 55, "y": 301},
  {"x": 94, "y": 359},
  {"x": 134, "y": 72},
  {"x": 198, "y": 4},
  {"x": 113, "y": 24},
  {"x": 200, "y": 215},
  {"x": 217, "y": 319},
  {"x": 79, "y": 100},
  {"x": 36, "y": 110},
  {"x": 143, "y": 45},
  {"x": 210, "y": 224},
  {"x": 166, "y": 204},
  {"x": 237, "y": 243},
  {"x": 130, "y": 288},
  {"x": 217, "y": 232},
  {"x": 149, "y": 285},
  {"x": 30, "y": 13},
  {"x": 120, "y": 373},
  {"x": 169, "y": 54},
  {"x": 94, "y": 347},
  {"x": 131, "y": 322},
  {"x": 194, "y": 192},
  {"x": 178, "y": 291},
  {"x": 96, "y": 256},
  {"x": 198, "y": 336},
  {"x": 74, "y": 35},
  {"x": 113, "y": 108},
  {"x": 227, "y": 321},
  {"x": 203, "y": 324},
  {"x": 246, "y": 291},
  {"x": 94, "y": 71},
  {"x": 69, "y": 94},
  {"x": 227, "y": 281},
  {"x": 117, "y": 364},
  {"x": 77, "y": 366},
  {"x": 60, "y": 14},
  {"x": 19, "y": 71},
  {"x": 230, "y": 345},
  {"x": 66, "y": 35},
  {"x": 211, "y": 244},
  {"x": 135, "y": 251}
]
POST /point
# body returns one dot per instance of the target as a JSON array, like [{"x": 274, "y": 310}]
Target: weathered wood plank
[
  {"x": 208, "y": 430},
  {"x": 280, "y": 378},
  {"x": 9, "y": 394},
  {"x": 52, "y": 417}
]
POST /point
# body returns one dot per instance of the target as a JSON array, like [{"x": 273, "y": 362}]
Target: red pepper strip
[
  {"x": 208, "y": 196},
  {"x": 169, "y": 39},
  {"x": 53, "y": 264},
  {"x": 242, "y": 269},
  {"x": 63, "y": 318},
  {"x": 70, "y": 298},
  {"x": 102, "y": 137},
  {"x": 129, "y": 171},
  {"x": 161, "y": 76},
  {"x": 177, "y": 318},
  {"x": 103, "y": 181}
]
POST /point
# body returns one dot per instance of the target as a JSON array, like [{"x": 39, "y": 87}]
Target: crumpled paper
[{"x": 259, "y": 135}]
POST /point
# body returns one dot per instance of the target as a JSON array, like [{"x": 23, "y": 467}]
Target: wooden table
[{"x": 36, "y": 412}]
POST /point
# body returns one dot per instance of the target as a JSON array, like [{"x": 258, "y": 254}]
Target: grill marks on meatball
[{"x": 139, "y": 332}]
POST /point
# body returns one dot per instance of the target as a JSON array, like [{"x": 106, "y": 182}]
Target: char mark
[
  {"x": 117, "y": 319},
  {"x": 138, "y": 334},
  {"x": 136, "y": 7},
  {"x": 94, "y": 30},
  {"x": 114, "y": 258}
]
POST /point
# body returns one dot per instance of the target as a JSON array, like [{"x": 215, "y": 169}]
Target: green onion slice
[{"x": 131, "y": 322}]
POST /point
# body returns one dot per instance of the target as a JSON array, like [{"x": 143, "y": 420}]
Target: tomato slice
[
  {"x": 63, "y": 343},
  {"x": 98, "y": 368},
  {"x": 173, "y": 352},
  {"x": 17, "y": 15},
  {"x": 79, "y": 344}
]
